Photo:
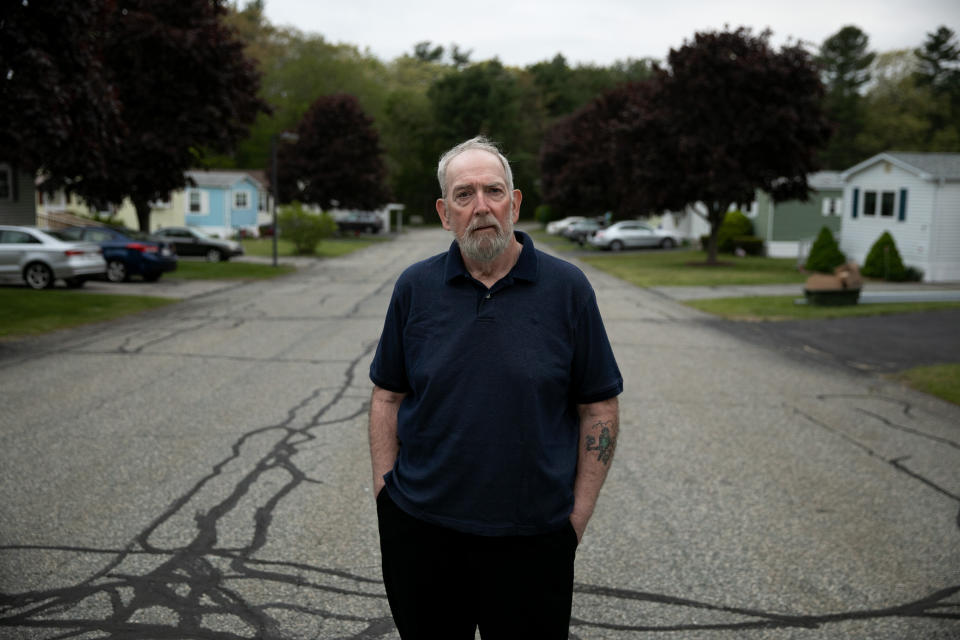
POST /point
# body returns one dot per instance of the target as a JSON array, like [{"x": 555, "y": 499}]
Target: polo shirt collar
[{"x": 527, "y": 267}]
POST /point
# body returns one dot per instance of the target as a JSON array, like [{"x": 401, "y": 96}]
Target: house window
[
  {"x": 886, "y": 203},
  {"x": 196, "y": 202},
  {"x": 240, "y": 200},
  {"x": 6, "y": 182},
  {"x": 262, "y": 204},
  {"x": 869, "y": 203},
  {"x": 832, "y": 206}
]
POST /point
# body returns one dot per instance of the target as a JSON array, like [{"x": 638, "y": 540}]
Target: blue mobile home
[{"x": 223, "y": 202}]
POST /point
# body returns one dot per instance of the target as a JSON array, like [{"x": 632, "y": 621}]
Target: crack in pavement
[{"x": 206, "y": 588}]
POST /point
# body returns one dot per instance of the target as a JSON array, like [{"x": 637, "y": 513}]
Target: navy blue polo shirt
[{"x": 489, "y": 428}]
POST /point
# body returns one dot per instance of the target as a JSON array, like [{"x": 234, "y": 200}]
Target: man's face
[{"x": 479, "y": 209}]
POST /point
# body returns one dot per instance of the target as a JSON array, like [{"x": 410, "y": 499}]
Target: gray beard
[{"x": 483, "y": 248}]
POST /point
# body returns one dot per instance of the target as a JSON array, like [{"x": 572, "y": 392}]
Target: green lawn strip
[
  {"x": 941, "y": 380},
  {"x": 233, "y": 270},
  {"x": 557, "y": 242},
  {"x": 29, "y": 312},
  {"x": 686, "y": 267},
  {"x": 774, "y": 308},
  {"x": 329, "y": 248}
]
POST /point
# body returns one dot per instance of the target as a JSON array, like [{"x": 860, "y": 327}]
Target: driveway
[
  {"x": 882, "y": 344},
  {"x": 202, "y": 472}
]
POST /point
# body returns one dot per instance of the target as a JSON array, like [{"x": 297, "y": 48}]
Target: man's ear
[
  {"x": 442, "y": 212},
  {"x": 517, "y": 198}
]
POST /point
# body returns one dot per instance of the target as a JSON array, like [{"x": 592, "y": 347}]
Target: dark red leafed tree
[
  {"x": 58, "y": 109},
  {"x": 183, "y": 84},
  {"x": 731, "y": 116},
  {"x": 337, "y": 159},
  {"x": 578, "y": 154},
  {"x": 727, "y": 117}
]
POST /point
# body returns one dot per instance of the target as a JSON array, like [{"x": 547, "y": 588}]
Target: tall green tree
[
  {"x": 488, "y": 98},
  {"x": 845, "y": 61},
  {"x": 939, "y": 71}
]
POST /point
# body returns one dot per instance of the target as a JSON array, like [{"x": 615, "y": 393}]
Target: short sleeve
[
  {"x": 595, "y": 375},
  {"x": 388, "y": 370}
]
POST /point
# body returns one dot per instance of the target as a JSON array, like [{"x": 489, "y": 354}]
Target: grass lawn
[
  {"x": 941, "y": 380},
  {"x": 329, "y": 248},
  {"x": 202, "y": 270},
  {"x": 680, "y": 267},
  {"x": 28, "y": 312},
  {"x": 686, "y": 267},
  {"x": 783, "y": 308}
]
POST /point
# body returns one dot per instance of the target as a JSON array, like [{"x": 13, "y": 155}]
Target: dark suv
[{"x": 360, "y": 221}]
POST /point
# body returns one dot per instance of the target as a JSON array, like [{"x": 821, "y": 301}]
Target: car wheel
[
  {"x": 667, "y": 243},
  {"x": 75, "y": 283},
  {"x": 214, "y": 255},
  {"x": 38, "y": 276},
  {"x": 117, "y": 271},
  {"x": 616, "y": 245}
]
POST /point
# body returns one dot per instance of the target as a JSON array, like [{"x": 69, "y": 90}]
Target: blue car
[{"x": 127, "y": 252}]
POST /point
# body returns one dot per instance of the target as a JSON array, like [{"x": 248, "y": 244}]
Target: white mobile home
[{"x": 914, "y": 196}]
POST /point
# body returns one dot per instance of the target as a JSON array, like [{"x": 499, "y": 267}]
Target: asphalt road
[{"x": 201, "y": 472}]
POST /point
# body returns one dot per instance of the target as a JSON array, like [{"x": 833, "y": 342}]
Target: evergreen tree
[
  {"x": 825, "y": 254},
  {"x": 845, "y": 66},
  {"x": 884, "y": 261}
]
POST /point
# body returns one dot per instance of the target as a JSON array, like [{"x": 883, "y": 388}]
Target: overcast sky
[{"x": 521, "y": 32}]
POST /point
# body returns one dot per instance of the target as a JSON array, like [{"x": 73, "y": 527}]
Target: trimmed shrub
[
  {"x": 304, "y": 229},
  {"x": 751, "y": 245},
  {"x": 825, "y": 254},
  {"x": 884, "y": 261},
  {"x": 734, "y": 225}
]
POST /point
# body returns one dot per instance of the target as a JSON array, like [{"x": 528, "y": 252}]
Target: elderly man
[{"x": 493, "y": 420}]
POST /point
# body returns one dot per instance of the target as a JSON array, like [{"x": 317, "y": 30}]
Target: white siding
[
  {"x": 912, "y": 236},
  {"x": 944, "y": 258}
]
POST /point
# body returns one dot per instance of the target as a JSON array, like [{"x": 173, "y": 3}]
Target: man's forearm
[
  {"x": 384, "y": 445},
  {"x": 599, "y": 427}
]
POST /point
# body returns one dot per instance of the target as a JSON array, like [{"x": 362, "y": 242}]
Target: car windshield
[{"x": 60, "y": 234}]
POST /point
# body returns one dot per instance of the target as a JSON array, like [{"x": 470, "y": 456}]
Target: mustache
[{"x": 484, "y": 221}]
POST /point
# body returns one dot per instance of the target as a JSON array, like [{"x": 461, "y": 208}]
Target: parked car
[
  {"x": 40, "y": 258},
  {"x": 193, "y": 242},
  {"x": 127, "y": 252},
  {"x": 632, "y": 233},
  {"x": 582, "y": 230},
  {"x": 557, "y": 226},
  {"x": 360, "y": 221}
]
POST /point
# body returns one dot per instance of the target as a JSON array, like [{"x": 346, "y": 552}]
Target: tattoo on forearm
[{"x": 605, "y": 445}]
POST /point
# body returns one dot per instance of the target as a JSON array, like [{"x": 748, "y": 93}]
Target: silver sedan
[
  {"x": 39, "y": 259},
  {"x": 632, "y": 233}
]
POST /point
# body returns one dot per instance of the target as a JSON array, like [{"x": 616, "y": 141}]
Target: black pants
[{"x": 443, "y": 584}]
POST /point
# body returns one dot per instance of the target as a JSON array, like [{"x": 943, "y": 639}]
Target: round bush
[
  {"x": 884, "y": 261},
  {"x": 734, "y": 225},
  {"x": 825, "y": 254}
]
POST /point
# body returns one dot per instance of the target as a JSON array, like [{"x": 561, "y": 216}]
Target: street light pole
[
  {"x": 276, "y": 191},
  {"x": 286, "y": 136}
]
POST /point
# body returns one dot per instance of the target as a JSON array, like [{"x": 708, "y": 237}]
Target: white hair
[{"x": 481, "y": 143}]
